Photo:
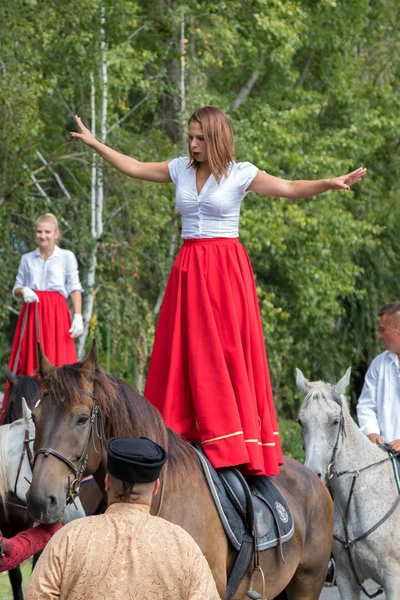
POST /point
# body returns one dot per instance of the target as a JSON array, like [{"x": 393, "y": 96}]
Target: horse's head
[
  {"x": 321, "y": 417},
  {"x": 16, "y": 446},
  {"x": 69, "y": 435}
]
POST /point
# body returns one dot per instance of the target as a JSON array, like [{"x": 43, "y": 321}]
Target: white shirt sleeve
[
  {"x": 246, "y": 172},
  {"x": 72, "y": 282},
  {"x": 175, "y": 166},
  {"x": 20, "y": 280},
  {"x": 367, "y": 403}
]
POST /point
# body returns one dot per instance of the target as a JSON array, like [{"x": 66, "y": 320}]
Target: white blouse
[
  {"x": 59, "y": 273},
  {"x": 215, "y": 211}
]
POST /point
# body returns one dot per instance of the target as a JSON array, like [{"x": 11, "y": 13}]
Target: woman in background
[{"x": 46, "y": 277}]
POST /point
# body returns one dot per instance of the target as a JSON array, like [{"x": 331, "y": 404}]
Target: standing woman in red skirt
[
  {"x": 46, "y": 277},
  {"x": 208, "y": 373}
]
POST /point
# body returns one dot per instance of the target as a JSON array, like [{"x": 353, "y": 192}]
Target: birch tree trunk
[{"x": 97, "y": 189}]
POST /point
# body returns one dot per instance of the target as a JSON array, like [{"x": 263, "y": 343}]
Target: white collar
[
  {"x": 394, "y": 358},
  {"x": 56, "y": 252}
]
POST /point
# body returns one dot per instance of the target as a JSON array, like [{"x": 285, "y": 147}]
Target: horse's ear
[
  {"x": 341, "y": 386},
  {"x": 26, "y": 411},
  {"x": 45, "y": 366},
  {"x": 301, "y": 382},
  {"x": 89, "y": 363},
  {"x": 11, "y": 378}
]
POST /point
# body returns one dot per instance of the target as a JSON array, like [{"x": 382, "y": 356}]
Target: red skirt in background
[
  {"x": 208, "y": 372},
  {"x": 51, "y": 316}
]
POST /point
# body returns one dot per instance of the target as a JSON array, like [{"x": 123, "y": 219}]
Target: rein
[
  {"x": 347, "y": 542},
  {"x": 96, "y": 420}
]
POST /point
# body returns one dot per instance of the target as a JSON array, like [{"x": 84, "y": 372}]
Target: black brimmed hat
[{"x": 135, "y": 460}]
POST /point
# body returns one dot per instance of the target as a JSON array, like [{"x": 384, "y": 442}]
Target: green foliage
[
  {"x": 291, "y": 441},
  {"x": 324, "y": 102}
]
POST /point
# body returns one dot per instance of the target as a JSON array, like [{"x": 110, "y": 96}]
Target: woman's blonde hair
[
  {"x": 218, "y": 136},
  {"x": 48, "y": 218}
]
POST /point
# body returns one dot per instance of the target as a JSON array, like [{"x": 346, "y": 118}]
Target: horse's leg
[
  {"x": 16, "y": 583},
  {"x": 309, "y": 576},
  {"x": 391, "y": 583},
  {"x": 345, "y": 580},
  {"x": 36, "y": 558}
]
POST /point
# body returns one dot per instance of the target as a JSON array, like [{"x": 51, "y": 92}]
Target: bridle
[
  {"x": 26, "y": 451},
  {"x": 341, "y": 431},
  {"x": 96, "y": 426}
]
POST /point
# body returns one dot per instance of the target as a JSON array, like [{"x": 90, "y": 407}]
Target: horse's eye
[
  {"x": 299, "y": 421},
  {"x": 83, "y": 420},
  {"x": 336, "y": 421}
]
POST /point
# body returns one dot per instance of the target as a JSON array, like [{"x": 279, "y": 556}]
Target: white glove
[
  {"x": 77, "y": 326},
  {"x": 29, "y": 295}
]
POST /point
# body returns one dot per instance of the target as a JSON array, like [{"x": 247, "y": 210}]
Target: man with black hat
[{"x": 125, "y": 553}]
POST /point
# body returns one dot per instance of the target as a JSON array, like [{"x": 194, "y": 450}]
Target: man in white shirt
[{"x": 378, "y": 407}]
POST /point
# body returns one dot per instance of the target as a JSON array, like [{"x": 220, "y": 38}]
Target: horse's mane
[
  {"x": 26, "y": 386},
  {"x": 125, "y": 412},
  {"x": 4, "y": 483}
]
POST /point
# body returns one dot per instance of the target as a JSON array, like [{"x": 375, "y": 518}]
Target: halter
[{"x": 96, "y": 420}]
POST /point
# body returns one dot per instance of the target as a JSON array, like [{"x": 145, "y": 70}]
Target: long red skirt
[
  {"x": 208, "y": 373},
  {"x": 47, "y": 321}
]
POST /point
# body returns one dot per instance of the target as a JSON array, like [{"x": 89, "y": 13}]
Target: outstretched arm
[
  {"x": 157, "y": 172},
  {"x": 268, "y": 185},
  {"x": 25, "y": 544}
]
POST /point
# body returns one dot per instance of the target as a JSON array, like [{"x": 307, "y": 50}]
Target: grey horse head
[{"x": 321, "y": 419}]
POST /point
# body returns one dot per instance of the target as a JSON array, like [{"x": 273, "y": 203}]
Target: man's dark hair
[
  {"x": 389, "y": 309},
  {"x": 125, "y": 490}
]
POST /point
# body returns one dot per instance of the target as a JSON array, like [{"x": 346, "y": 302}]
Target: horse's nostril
[{"x": 52, "y": 501}]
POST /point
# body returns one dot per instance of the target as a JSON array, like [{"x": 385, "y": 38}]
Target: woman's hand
[
  {"x": 77, "y": 326},
  {"x": 29, "y": 295},
  {"x": 84, "y": 134},
  {"x": 346, "y": 181}
]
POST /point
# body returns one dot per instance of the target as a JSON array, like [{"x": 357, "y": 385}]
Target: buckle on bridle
[{"x": 329, "y": 474}]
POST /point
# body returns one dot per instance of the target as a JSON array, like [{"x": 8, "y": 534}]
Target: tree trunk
[
  {"x": 97, "y": 190},
  {"x": 248, "y": 86}
]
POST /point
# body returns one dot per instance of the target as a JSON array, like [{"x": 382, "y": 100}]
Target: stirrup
[
  {"x": 330, "y": 580},
  {"x": 252, "y": 593}
]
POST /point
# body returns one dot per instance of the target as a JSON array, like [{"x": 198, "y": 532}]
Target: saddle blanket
[{"x": 273, "y": 520}]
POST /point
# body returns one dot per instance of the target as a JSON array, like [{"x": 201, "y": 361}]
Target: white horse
[
  {"x": 361, "y": 478},
  {"x": 16, "y": 447}
]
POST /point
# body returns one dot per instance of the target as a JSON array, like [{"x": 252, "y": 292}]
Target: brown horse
[{"x": 78, "y": 400}]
